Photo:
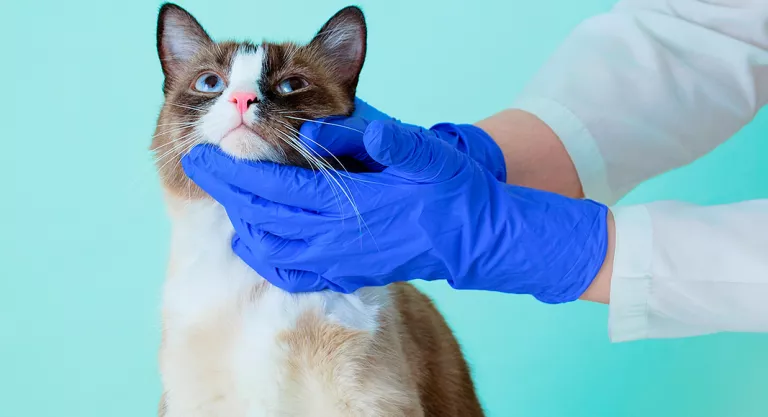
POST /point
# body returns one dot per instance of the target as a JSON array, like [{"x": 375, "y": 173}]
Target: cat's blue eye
[
  {"x": 209, "y": 83},
  {"x": 289, "y": 85}
]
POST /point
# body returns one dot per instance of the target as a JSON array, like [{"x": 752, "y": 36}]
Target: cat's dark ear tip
[
  {"x": 352, "y": 11},
  {"x": 167, "y": 6}
]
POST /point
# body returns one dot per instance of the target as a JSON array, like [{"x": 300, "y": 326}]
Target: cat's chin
[{"x": 244, "y": 143}]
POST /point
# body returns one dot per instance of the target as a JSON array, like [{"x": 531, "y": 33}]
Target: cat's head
[{"x": 250, "y": 99}]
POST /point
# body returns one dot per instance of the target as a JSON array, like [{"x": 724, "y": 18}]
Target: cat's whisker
[
  {"x": 313, "y": 161},
  {"x": 183, "y": 106},
  {"x": 325, "y": 123},
  {"x": 321, "y": 146},
  {"x": 186, "y": 106},
  {"x": 321, "y": 165},
  {"x": 177, "y": 142},
  {"x": 172, "y": 130},
  {"x": 306, "y": 152},
  {"x": 157, "y": 160},
  {"x": 346, "y": 173},
  {"x": 292, "y": 129},
  {"x": 173, "y": 153},
  {"x": 176, "y": 125},
  {"x": 342, "y": 176},
  {"x": 177, "y": 164},
  {"x": 192, "y": 133},
  {"x": 155, "y": 150},
  {"x": 289, "y": 111},
  {"x": 182, "y": 146},
  {"x": 332, "y": 173}
]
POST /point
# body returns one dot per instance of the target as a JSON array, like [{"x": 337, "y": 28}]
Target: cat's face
[{"x": 250, "y": 99}]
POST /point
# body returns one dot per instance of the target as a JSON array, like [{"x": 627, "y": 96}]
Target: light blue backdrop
[{"x": 84, "y": 235}]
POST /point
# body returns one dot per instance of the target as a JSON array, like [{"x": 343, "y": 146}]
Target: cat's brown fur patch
[{"x": 414, "y": 354}]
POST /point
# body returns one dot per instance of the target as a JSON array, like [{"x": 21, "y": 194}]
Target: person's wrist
[
  {"x": 584, "y": 250},
  {"x": 599, "y": 290}
]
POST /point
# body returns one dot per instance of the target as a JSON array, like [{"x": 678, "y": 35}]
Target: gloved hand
[
  {"x": 343, "y": 136},
  {"x": 432, "y": 213}
]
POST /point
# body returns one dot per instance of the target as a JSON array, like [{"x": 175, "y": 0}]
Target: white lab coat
[{"x": 647, "y": 87}]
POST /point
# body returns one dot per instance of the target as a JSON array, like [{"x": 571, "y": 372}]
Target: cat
[{"x": 233, "y": 345}]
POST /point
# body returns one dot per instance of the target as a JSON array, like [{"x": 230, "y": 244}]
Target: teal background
[{"x": 84, "y": 237}]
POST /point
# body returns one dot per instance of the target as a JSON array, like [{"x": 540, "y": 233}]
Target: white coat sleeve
[
  {"x": 684, "y": 270},
  {"x": 647, "y": 87}
]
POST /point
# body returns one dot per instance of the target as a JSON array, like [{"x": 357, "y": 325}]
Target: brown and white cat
[{"x": 233, "y": 345}]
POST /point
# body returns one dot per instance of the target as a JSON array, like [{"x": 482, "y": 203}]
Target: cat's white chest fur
[{"x": 222, "y": 353}]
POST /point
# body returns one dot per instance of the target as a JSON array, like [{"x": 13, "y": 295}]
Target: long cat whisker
[
  {"x": 154, "y": 150},
  {"x": 325, "y": 123},
  {"x": 346, "y": 173},
  {"x": 178, "y": 123},
  {"x": 174, "y": 152},
  {"x": 313, "y": 161},
  {"x": 341, "y": 175},
  {"x": 289, "y": 111},
  {"x": 176, "y": 129},
  {"x": 187, "y": 107},
  {"x": 344, "y": 189},
  {"x": 178, "y": 163},
  {"x": 159, "y": 159},
  {"x": 192, "y": 134},
  {"x": 177, "y": 142}
]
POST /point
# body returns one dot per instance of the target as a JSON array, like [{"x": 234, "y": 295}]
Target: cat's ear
[
  {"x": 342, "y": 40},
  {"x": 179, "y": 38}
]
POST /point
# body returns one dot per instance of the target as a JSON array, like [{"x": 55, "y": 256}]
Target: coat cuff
[
  {"x": 578, "y": 141},
  {"x": 631, "y": 283}
]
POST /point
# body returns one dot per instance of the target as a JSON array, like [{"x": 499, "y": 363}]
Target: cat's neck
[
  {"x": 198, "y": 224},
  {"x": 205, "y": 274}
]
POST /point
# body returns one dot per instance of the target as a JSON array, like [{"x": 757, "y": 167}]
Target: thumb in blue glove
[
  {"x": 343, "y": 136},
  {"x": 432, "y": 213}
]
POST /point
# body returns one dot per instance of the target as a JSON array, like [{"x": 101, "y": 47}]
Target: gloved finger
[
  {"x": 412, "y": 152},
  {"x": 290, "y": 280},
  {"x": 289, "y": 185},
  {"x": 280, "y": 251},
  {"x": 276, "y": 218},
  {"x": 292, "y": 229},
  {"x": 481, "y": 148}
]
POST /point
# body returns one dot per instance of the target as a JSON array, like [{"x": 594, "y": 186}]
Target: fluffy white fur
[{"x": 221, "y": 356}]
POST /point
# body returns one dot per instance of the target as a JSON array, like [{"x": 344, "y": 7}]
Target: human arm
[
  {"x": 432, "y": 213},
  {"x": 633, "y": 93},
  {"x": 647, "y": 87}
]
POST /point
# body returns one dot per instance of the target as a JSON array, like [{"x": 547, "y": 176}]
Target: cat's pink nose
[{"x": 242, "y": 100}]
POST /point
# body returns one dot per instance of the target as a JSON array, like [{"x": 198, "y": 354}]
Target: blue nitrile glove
[
  {"x": 344, "y": 136},
  {"x": 433, "y": 213}
]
